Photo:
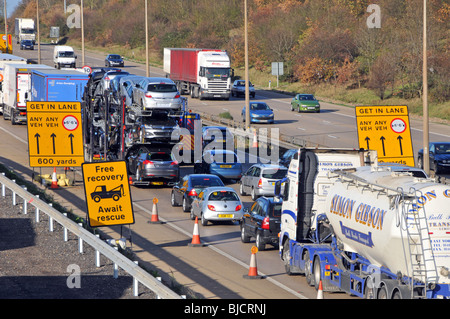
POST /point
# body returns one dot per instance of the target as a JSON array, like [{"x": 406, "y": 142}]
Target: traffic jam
[{"x": 303, "y": 205}]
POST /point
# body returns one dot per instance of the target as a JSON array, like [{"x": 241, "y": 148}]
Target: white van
[{"x": 64, "y": 57}]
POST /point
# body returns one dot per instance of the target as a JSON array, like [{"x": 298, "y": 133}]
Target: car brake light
[
  {"x": 148, "y": 95},
  {"x": 238, "y": 207},
  {"x": 192, "y": 193},
  {"x": 177, "y": 96},
  {"x": 211, "y": 207},
  {"x": 265, "y": 223},
  {"x": 107, "y": 78},
  {"x": 260, "y": 183},
  {"x": 174, "y": 163},
  {"x": 147, "y": 162}
]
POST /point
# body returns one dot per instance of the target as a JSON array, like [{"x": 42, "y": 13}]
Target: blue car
[
  {"x": 223, "y": 163},
  {"x": 260, "y": 112},
  {"x": 439, "y": 153}
]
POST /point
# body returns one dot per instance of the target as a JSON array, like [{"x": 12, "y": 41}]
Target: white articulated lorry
[
  {"x": 202, "y": 73},
  {"x": 5, "y": 59},
  {"x": 17, "y": 90},
  {"x": 372, "y": 231},
  {"x": 25, "y": 30}
]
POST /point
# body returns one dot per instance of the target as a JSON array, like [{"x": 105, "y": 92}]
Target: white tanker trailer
[{"x": 372, "y": 231}]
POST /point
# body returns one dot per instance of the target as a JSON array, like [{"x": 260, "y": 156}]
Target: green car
[{"x": 305, "y": 103}]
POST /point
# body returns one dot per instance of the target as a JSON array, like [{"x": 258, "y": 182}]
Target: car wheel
[
  {"x": 292, "y": 108},
  {"x": 204, "y": 220},
  {"x": 138, "y": 176},
  {"x": 186, "y": 207},
  {"x": 241, "y": 190},
  {"x": 437, "y": 170},
  {"x": 253, "y": 193},
  {"x": 420, "y": 162},
  {"x": 192, "y": 215},
  {"x": 260, "y": 242},
  {"x": 244, "y": 237},
  {"x": 173, "y": 201}
]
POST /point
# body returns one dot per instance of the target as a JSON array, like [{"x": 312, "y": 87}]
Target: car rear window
[
  {"x": 206, "y": 181},
  {"x": 223, "y": 195},
  {"x": 275, "y": 211},
  {"x": 162, "y": 88},
  {"x": 274, "y": 173},
  {"x": 159, "y": 156}
]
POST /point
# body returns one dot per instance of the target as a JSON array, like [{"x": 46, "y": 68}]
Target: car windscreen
[
  {"x": 66, "y": 54},
  {"x": 306, "y": 97},
  {"x": 116, "y": 57},
  {"x": 221, "y": 158},
  {"x": 198, "y": 182},
  {"x": 162, "y": 88},
  {"x": 274, "y": 173},
  {"x": 258, "y": 106},
  {"x": 160, "y": 157},
  {"x": 223, "y": 195}
]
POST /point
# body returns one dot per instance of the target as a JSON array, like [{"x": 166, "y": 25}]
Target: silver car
[
  {"x": 238, "y": 88},
  {"x": 157, "y": 93},
  {"x": 217, "y": 204},
  {"x": 260, "y": 180}
]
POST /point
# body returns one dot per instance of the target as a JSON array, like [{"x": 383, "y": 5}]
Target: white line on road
[{"x": 225, "y": 254}]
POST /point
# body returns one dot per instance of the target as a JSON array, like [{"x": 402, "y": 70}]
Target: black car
[
  {"x": 262, "y": 221},
  {"x": 439, "y": 153},
  {"x": 190, "y": 186},
  {"x": 114, "y": 60},
  {"x": 26, "y": 45}
]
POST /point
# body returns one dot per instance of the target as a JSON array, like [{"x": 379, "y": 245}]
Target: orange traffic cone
[
  {"x": 54, "y": 179},
  {"x": 253, "y": 270},
  {"x": 320, "y": 291},
  {"x": 196, "y": 236},
  {"x": 255, "y": 139},
  {"x": 155, "y": 218}
]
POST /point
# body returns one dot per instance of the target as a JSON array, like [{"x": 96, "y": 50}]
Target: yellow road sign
[
  {"x": 55, "y": 134},
  {"x": 386, "y": 129},
  {"x": 107, "y": 192}
]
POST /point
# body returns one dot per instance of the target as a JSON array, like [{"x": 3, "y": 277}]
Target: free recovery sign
[
  {"x": 55, "y": 135},
  {"x": 107, "y": 192}
]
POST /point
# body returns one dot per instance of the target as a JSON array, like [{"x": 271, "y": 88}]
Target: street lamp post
[
  {"x": 247, "y": 95},
  {"x": 426, "y": 157}
]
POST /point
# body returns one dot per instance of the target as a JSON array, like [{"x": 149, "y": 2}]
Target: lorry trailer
[
  {"x": 377, "y": 232},
  {"x": 202, "y": 73},
  {"x": 17, "y": 90}
]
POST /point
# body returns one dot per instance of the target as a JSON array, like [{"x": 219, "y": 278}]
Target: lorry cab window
[{"x": 217, "y": 72}]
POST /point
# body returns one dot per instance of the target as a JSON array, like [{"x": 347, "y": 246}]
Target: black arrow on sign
[
  {"x": 71, "y": 136},
  {"x": 367, "y": 139},
  {"x": 53, "y": 137},
  {"x": 382, "y": 143},
  {"x": 399, "y": 138},
  {"x": 37, "y": 136}
]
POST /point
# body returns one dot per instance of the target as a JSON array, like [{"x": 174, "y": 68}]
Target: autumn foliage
[{"x": 319, "y": 41}]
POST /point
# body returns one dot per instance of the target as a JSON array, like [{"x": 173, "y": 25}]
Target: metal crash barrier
[{"x": 139, "y": 275}]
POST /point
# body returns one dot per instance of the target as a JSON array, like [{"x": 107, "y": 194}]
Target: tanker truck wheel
[
  {"x": 308, "y": 269},
  {"x": 317, "y": 274},
  {"x": 287, "y": 258}
]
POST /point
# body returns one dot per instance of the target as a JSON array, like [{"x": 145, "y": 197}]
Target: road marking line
[{"x": 225, "y": 254}]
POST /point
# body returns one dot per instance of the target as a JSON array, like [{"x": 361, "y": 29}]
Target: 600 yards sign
[{"x": 55, "y": 136}]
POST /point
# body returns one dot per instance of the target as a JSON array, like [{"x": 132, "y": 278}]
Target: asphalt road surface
[{"x": 214, "y": 271}]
